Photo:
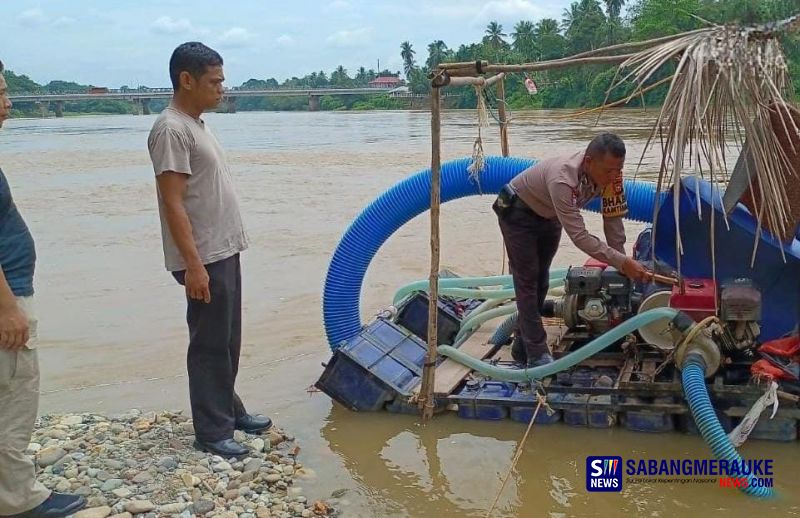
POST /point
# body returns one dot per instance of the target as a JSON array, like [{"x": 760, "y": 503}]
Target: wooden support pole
[
  {"x": 501, "y": 109},
  {"x": 494, "y": 79},
  {"x": 462, "y": 65},
  {"x": 559, "y": 63},
  {"x": 426, "y": 399},
  {"x": 633, "y": 45},
  {"x": 469, "y": 80}
]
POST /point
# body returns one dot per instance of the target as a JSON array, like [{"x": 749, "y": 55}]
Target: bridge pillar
[
  {"x": 43, "y": 108},
  {"x": 145, "y": 106},
  {"x": 231, "y": 105},
  {"x": 313, "y": 103},
  {"x": 59, "y": 109}
]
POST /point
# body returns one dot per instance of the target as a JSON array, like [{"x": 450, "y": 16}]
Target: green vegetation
[{"x": 586, "y": 25}]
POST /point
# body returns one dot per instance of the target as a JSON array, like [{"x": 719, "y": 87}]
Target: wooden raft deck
[{"x": 450, "y": 374}]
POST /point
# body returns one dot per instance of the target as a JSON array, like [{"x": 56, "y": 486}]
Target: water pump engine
[{"x": 596, "y": 296}]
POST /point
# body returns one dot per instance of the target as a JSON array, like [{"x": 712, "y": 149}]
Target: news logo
[{"x": 604, "y": 474}]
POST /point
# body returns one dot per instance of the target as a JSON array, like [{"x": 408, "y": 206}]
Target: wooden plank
[
  {"x": 503, "y": 355},
  {"x": 450, "y": 374},
  {"x": 627, "y": 370}
]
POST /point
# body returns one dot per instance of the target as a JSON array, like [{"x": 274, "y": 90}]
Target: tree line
[
  {"x": 588, "y": 25},
  {"x": 585, "y": 25}
]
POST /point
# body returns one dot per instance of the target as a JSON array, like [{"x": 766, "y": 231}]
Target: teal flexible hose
[
  {"x": 453, "y": 282},
  {"x": 470, "y": 282},
  {"x": 565, "y": 362},
  {"x": 694, "y": 387},
  {"x": 487, "y": 305},
  {"x": 474, "y": 322}
]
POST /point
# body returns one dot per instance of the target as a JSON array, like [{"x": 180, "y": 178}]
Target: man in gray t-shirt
[{"x": 202, "y": 233}]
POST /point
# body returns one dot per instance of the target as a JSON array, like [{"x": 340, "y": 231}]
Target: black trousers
[
  {"x": 531, "y": 243},
  {"x": 215, "y": 341}
]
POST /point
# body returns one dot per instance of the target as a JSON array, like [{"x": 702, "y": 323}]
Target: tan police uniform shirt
[{"x": 557, "y": 187}]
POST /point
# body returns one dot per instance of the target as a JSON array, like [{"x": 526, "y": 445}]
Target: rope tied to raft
[
  {"x": 740, "y": 434},
  {"x": 542, "y": 402}
]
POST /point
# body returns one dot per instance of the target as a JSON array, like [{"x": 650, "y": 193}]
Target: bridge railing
[{"x": 169, "y": 90}]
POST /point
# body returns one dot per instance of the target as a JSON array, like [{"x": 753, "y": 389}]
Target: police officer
[{"x": 532, "y": 210}]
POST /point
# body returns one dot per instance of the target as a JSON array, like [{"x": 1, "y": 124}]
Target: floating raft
[{"x": 630, "y": 385}]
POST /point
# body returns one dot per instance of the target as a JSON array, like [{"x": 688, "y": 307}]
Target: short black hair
[
  {"x": 1, "y": 67},
  {"x": 192, "y": 57},
  {"x": 606, "y": 143}
]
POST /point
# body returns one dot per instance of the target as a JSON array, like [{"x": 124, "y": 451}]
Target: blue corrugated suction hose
[
  {"x": 502, "y": 334},
  {"x": 694, "y": 386},
  {"x": 401, "y": 203}
]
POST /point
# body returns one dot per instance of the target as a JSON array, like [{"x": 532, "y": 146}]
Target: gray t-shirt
[{"x": 182, "y": 144}]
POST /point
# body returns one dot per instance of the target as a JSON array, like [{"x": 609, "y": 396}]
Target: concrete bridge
[{"x": 142, "y": 97}]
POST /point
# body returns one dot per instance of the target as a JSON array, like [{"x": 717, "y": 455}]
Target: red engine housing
[
  {"x": 594, "y": 263},
  {"x": 698, "y": 300}
]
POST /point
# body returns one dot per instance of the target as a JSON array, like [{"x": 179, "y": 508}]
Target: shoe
[
  {"x": 518, "y": 353},
  {"x": 57, "y": 505},
  {"x": 541, "y": 361},
  {"x": 226, "y": 448},
  {"x": 253, "y": 423}
]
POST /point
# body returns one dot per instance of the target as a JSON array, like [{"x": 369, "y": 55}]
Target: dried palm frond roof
[{"x": 727, "y": 82}]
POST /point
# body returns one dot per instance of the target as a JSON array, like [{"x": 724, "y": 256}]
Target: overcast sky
[{"x": 114, "y": 43}]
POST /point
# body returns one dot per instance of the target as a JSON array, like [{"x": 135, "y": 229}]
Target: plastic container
[
  {"x": 383, "y": 360},
  {"x": 413, "y": 315},
  {"x": 487, "y": 400}
]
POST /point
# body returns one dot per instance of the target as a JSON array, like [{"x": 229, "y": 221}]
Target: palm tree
[
  {"x": 495, "y": 34},
  {"x": 570, "y": 16},
  {"x": 407, "y": 53},
  {"x": 361, "y": 76},
  {"x": 548, "y": 39},
  {"x": 339, "y": 77},
  {"x": 437, "y": 52},
  {"x": 524, "y": 40},
  {"x": 613, "y": 8}
]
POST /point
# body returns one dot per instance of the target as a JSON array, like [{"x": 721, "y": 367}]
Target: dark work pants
[
  {"x": 531, "y": 243},
  {"x": 215, "y": 340}
]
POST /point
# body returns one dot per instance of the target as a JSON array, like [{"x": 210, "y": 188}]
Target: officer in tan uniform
[{"x": 533, "y": 209}]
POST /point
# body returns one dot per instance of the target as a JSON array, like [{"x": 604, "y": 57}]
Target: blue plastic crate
[
  {"x": 601, "y": 417},
  {"x": 413, "y": 315},
  {"x": 652, "y": 421},
  {"x": 776, "y": 429},
  {"x": 383, "y": 360},
  {"x": 577, "y": 413},
  {"x": 488, "y": 400},
  {"x": 524, "y": 414},
  {"x": 401, "y": 405},
  {"x": 688, "y": 425}
]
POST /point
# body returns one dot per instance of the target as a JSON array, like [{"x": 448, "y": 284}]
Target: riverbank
[{"x": 143, "y": 464}]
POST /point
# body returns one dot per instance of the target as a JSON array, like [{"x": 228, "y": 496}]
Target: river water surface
[{"x": 113, "y": 334}]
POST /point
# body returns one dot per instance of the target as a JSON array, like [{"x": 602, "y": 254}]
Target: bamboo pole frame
[
  {"x": 466, "y": 74},
  {"x": 501, "y": 111},
  {"x": 470, "y": 73},
  {"x": 426, "y": 402}
]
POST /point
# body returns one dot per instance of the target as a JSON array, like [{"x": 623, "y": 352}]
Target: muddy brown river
[{"x": 113, "y": 334}]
